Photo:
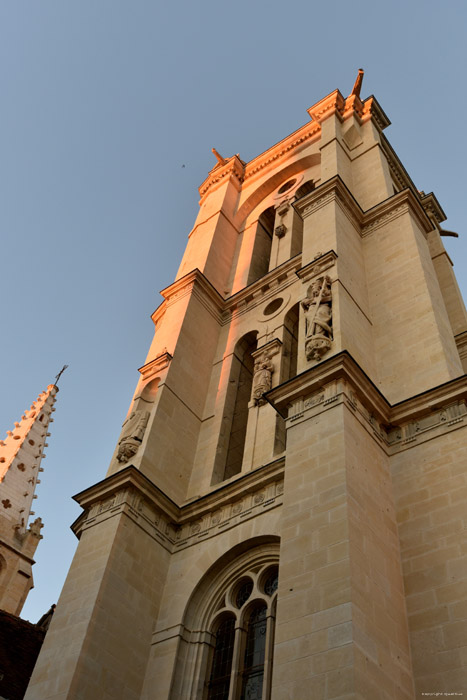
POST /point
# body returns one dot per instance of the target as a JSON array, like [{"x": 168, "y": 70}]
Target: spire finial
[
  {"x": 358, "y": 83},
  {"x": 220, "y": 159},
  {"x": 60, "y": 374}
]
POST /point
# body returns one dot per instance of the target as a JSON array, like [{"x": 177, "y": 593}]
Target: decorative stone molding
[
  {"x": 333, "y": 103},
  {"x": 128, "y": 492},
  {"x": 233, "y": 168},
  {"x": 192, "y": 283},
  {"x": 320, "y": 264},
  {"x": 159, "y": 364},
  {"x": 306, "y": 133},
  {"x": 340, "y": 381},
  {"x": 332, "y": 190},
  {"x": 263, "y": 289},
  {"x": 432, "y": 207},
  {"x": 373, "y": 110},
  {"x": 365, "y": 222},
  {"x": 384, "y": 218}
]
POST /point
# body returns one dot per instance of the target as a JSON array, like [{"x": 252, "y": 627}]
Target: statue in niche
[
  {"x": 262, "y": 377},
  {"x": 318, "y": 318},
  {"x": 132, "y": 435}
]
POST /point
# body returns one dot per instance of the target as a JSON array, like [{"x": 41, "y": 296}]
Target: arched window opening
[
  {"x": 261, "y": 255},
  {"x": 221, "y": 668},
  {"x": 240, "y": 385},
  {"x": 304, "y": 189},
  {"x": 245, "y": 674},
  {"x": 288, "y": 369},
  {"x": 212, "y": 660},
  {"x": 255, "y": 651},
  {"x": 291, "y": 343}
]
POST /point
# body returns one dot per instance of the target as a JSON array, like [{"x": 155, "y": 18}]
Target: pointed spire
[
  {"x": 358, "y": 83},
  {"x": 21, "y": 453}
]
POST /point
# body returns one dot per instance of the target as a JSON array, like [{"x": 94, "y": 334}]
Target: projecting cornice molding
[
  {"x": 320, "y": 264},
  {"x": 192, "y": 283},
  {"x": 159, "y": 363},
  {"x": 234, "y": 169},
  {"x": 335, "y": 190},
  {"x": 339, "y": 380},
  {"x": 432, "y": 207},
  {"x": 174, "y": 526}
]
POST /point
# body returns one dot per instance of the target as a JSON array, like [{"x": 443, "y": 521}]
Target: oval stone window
[
  {"x": 286, "y": 186},
  {"x": 273, "y": 306}
]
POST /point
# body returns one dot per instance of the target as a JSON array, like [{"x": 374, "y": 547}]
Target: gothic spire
[{"x": 21, "y": 453}]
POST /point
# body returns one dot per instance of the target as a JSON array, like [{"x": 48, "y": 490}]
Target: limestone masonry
[{"x": 285, "y": 513}]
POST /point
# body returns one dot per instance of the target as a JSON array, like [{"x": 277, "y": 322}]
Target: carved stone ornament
[
  {"x": 280, "y": 230},
  {"x": 262, "y": 378},
  {"x": 36, "y": 527},
  {"x": 318, "y": 318},
  {"x": 132, "y": 435}
]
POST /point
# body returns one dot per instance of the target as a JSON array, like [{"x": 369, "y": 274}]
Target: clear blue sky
[{"x": 102, "y": 103}]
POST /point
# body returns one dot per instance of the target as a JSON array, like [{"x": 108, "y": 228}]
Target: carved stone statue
[
  {"x": 262, "y": 375},
  {"x": 132, "y": 435},
  {"x": 318, "y": 318}
]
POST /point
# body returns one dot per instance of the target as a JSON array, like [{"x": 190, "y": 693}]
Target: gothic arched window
[{"x": 243, "y": 633}]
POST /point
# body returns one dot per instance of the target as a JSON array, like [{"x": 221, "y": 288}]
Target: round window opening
[
  {"x": 273, "y": 306},
  {"x": 286, "y": 186}
]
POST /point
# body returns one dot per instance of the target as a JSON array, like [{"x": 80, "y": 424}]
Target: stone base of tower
[
  {"x": 98, "y": 643},
  {"x": 343, "y": 628}
]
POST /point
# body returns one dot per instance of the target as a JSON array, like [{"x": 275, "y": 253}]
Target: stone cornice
[
  {"x": 267, "y": 286},
  {"x": 309, "y": 383},
  {"x": 175, "y": 527},
  {"x": 432, "y": 207},
  {"x": 339, "y": 380},
  {"x": 430, "y": 401},
  {"x": 335, "y": 190},
  {"x": 159, "y": 363},
  {"x": 399, "y": 173},
  {"x": 233, "y": 169},
  {"x": 334, "y": 103},
  {"x": 305, "y": 133},
  {"x": 397, "y": 205},
  {"x": 194, "y": 282},
  {"x": 372, "y": 109},
  {"x": 331, "y": 190},
  {"x": 320, "y": 264}
]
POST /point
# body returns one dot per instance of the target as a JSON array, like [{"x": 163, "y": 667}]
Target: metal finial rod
[{"x": 60, "y": 373}]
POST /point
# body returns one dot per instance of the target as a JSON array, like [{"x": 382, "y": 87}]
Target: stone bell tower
[{"x": 284, "y": 515}]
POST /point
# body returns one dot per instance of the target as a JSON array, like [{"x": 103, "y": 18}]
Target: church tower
[
  {"x": 284, "y": 515},
  {"x": 20, "y": 459}
]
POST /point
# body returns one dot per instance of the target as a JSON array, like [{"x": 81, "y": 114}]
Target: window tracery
[{"x": 243, "y": 629}]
